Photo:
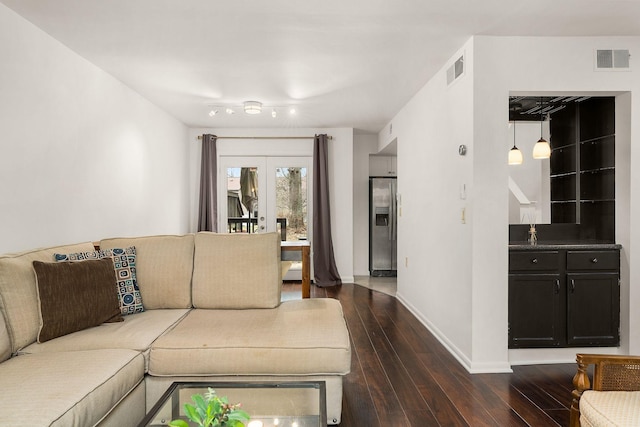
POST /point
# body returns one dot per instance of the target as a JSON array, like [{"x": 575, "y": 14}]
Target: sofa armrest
[{"x": 610, "y": 373}]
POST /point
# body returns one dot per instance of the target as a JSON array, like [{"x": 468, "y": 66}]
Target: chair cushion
[
  {"x": 18, "y": 291},
  {"x": 66, "y": 389},
  {"x": 235, "y": 271},
  {"x": 75, "y": 295},
  {"x": 163, "y": 268},
  {"x": 610, "y": 408},
  {"x": 300, "y": 337}
]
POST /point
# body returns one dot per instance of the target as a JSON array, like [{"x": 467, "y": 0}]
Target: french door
[{"x": 265, "y": 194}]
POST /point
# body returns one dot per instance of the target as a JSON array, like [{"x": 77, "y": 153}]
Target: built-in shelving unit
[{"x": 583, "y": 166}]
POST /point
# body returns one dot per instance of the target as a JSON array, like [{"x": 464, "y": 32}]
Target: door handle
[
  {"x": 557, "y": 286},
  {"x": 573, "y": 286}
]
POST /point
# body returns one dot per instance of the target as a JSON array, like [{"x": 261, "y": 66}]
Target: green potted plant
[{"x": 212, "y": 411}]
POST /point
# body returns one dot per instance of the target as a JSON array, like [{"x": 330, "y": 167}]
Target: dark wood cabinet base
[{"x": 564, "y": 297}]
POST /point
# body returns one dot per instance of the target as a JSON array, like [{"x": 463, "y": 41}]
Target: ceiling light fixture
[
  {"x": 249, "y": 107},
  {"x": 253, "y": 107},
  {"x": 515, "y": 155},
  {"x": 542, "y": 149}
]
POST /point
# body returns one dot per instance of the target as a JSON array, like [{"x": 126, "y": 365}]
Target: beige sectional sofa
[{"x": 212, "y": 311}]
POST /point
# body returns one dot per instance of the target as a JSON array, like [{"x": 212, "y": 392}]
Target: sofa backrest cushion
[
  {"x": 19, "y": 294},
  {"x": 164, "y": 265},
  {"x": 5, "y": 342},
  {"x": 237, "y": 271}
]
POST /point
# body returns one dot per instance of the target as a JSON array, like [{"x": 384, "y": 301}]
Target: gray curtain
[
  {"x": 324, "y": 263},
  {"x": 208, "y": 211}
]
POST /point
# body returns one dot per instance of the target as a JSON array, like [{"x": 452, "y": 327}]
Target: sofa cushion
[
  {"x": 300, "y": 337},
  {"x": 124, "y": 264},
  {"x": 66, "y": 389},
  {"x": 163, "y": 268},
  {"x": 5, "y": 342},
  {"x": 18, "y": 291},
  {"x": 74, "y": 296},
  {"x": 610, "y": 408},
  {"x": 137, "y": 332},
  {"x": 237, "y": 271}
]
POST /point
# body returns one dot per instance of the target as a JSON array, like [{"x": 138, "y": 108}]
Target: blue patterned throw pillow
[{"x": 124, "y": 264}]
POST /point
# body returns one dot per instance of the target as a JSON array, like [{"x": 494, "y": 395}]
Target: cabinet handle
[
  {"x": 534, "y": 261},
  {"x": 557, "y": 286},
  {"x": 594, "y": 260},
  {"x": 573, "y": 286}
]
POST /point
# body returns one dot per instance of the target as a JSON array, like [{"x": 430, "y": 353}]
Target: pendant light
[
  {"x": 515, "y": 155},
  {"x": 542, "y": 149}
]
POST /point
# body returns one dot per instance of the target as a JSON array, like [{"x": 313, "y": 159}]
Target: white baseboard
[{"x": 471, "y": 367}]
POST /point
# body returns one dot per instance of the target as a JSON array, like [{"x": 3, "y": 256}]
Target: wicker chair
[{"x": 611, "y": 373}]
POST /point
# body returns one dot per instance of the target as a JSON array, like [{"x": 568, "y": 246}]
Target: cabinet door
[
  {"x": 535, "y": 317},
  {"x": 382, "y": 166},
  {"x": 593, "y": 309}
]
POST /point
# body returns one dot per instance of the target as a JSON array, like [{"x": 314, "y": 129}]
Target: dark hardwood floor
[{"x": 402, "y": 376}]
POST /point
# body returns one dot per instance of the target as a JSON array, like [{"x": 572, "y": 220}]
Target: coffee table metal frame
[{"x": 173, "y": 394}]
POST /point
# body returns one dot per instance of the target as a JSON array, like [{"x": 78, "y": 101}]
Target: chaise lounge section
[{"x": 212, "y": 311}]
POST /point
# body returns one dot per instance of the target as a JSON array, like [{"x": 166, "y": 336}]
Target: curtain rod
[{"x": 266, "y": 137}]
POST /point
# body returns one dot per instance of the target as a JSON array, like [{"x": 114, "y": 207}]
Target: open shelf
[{"x": 582, "y": 166}]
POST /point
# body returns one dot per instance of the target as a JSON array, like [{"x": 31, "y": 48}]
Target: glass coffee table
[{"x": 270, "y": 404}]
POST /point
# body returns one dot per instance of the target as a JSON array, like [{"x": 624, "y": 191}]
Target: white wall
[
  {"x": 434, "y": 246},
  {"x": 556, "y": 66},
  {"x": 340, "y": 174},
  {"x": 82, "y": 156},
  {"x": 457, "y": 284},
  {"x": 363, "y": 145}
]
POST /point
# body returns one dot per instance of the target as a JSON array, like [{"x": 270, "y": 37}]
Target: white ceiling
[{"x": 342, "y": 63}]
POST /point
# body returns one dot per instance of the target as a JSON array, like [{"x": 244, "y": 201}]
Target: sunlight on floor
[
  {"x": 291, "y": 290},
  {"x": 386, "y": 285}
]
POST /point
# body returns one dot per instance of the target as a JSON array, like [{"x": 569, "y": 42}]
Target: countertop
[{"x": 558, "y": 245}]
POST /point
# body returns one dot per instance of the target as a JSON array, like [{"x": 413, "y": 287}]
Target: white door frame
[{"x": 266, "y": 191}]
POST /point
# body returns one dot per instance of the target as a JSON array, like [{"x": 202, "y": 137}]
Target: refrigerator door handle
[{"x": 392, "y": 211}]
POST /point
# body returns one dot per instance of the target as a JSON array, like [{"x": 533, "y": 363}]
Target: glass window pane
[
  {"x": 291, "y": 203},
  {"x": 242, "y": 199}
]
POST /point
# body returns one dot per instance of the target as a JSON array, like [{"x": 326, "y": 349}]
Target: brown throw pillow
[{"x": 75, "y": 295}]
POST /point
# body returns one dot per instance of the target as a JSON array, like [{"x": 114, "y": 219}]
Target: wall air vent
[
  {"x": 455, "y": 70},
  {"x": 612, "y": 59}
]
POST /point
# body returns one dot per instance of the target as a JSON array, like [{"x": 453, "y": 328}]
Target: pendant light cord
[{"x": 541, "y": 119}]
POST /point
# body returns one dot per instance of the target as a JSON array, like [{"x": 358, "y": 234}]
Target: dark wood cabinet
[
  {"x": 593, "y": 309},
  {"x": 535, "y": 310},
  {"x": 564, "y": 298}
]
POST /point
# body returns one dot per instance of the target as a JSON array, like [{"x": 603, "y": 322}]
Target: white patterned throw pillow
[{"x": 124, "y": 264}]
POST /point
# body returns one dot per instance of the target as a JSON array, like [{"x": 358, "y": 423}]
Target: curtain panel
[
  {"x": 324, "y": 264},
  {"x": 208, "y": 208}
]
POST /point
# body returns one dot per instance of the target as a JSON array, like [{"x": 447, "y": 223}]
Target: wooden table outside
[{"x": 299, "y": 251}]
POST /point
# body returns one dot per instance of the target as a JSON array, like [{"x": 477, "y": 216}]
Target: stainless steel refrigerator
[{"x": 382, "y": 227}]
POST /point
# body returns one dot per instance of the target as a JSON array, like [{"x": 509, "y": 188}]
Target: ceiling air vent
[
  {"x": 455, "y": 70},
  {"x": 612, "y": 59}
]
